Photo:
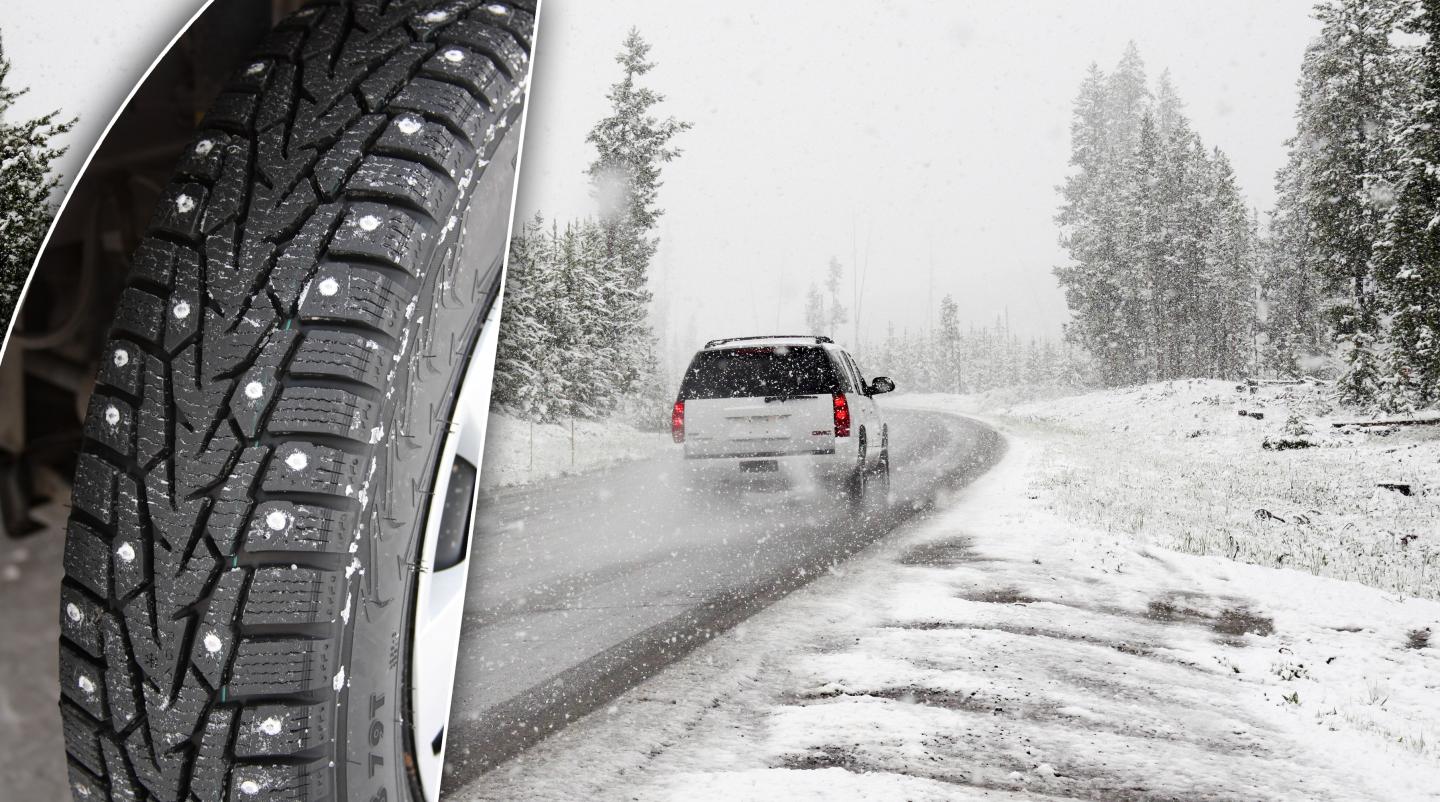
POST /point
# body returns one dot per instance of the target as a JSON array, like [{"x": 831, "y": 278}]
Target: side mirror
[{"x": 881, "y": 384}]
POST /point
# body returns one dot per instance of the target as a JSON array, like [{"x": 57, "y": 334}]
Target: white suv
[{"x": 765, "y": 404}]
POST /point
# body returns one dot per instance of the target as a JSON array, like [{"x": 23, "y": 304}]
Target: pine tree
[
  {"x": 26, "y": 183},
  {"x": 947, "y": 371},
  {"x": 1351, "y": 84},
  {"x": 836, "y": 315},
  {"x": 528, "y": 375},
  {"x": 1409, "y": 254},
  {"x": 1296, "y": 331},
  {"x": 815, "y": 320},
  {"x": 631, "y": 146}
]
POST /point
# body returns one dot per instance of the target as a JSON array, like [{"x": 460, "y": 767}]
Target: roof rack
[{"x": 816, "y": 337}]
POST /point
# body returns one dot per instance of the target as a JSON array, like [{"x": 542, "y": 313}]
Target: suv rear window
[{"x": 762, "y": 371}]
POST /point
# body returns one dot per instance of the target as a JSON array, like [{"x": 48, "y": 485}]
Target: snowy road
[
  {"x": 995, "y": 650},
  {"x": 585, "y": 586}
]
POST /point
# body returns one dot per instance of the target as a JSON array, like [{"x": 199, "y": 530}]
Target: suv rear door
[{"x": 761, "y": 401}]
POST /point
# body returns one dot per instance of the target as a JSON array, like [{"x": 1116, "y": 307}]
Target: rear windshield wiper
[{"x": 770, "y": 398}]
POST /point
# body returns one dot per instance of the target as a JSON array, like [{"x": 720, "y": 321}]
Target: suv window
[
  {"x": 761, "y": 371},
  {"x": 854, "y": 367}
]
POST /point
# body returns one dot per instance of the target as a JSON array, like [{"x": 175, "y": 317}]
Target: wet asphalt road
[{"x": 585, "y": 586}]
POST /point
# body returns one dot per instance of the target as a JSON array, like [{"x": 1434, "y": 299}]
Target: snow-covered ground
[
  {"x": 1185, "y": 465},
  {"x": 520, "y": 452},
  {"x": 1005, "y": 648}
]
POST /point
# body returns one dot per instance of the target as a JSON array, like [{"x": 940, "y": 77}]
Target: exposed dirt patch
[
  {"x": 1231, "y": 622},
  {"x": 1238, "y": 621},
  {"x": 824, "y": 757},
  {"x": 942, "y": 553},
  {"x": 1417, "y": 638},
  {"x": 1008, "y": 595},
  {"x": 1128, "y": 647}
]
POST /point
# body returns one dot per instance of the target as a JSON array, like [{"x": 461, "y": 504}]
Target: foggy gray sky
[
  {"x": 920, "y": 127},
  {"x": 917, "y": 127}
]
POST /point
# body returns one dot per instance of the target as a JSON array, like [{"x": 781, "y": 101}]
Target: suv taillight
[
  {"x": 677, "y": 422},
  {"x": 842, "y": 416}
]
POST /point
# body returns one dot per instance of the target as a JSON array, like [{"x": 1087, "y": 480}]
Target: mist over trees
[
  {"x": 575, "y": 341},
  {"x": 952, "y": 359},
  {"x": 1163, "y": 249},
  {"x": 1168, "y": 276},
  {"x": 26, "y": 183}
]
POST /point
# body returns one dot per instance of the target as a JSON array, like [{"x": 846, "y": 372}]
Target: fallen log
[{"x": 1375, "y": 424}]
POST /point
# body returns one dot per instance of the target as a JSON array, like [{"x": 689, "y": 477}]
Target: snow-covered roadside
[
  {"x": 1184, "y": 464},
  {"x": 996, "y": 650},
  {"x": 518, "y": 452}
]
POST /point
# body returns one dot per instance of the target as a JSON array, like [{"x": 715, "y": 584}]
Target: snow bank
[
  {"x": 998, "y": 650},
  {"x": 519, "y": 452},
  {"x": 1258, "y": 475}
]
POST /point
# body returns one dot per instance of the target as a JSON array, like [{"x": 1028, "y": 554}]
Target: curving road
[{"x": 585, "y": 586}]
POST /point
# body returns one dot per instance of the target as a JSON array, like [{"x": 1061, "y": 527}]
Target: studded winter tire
[{"x": 271, "y": 509}]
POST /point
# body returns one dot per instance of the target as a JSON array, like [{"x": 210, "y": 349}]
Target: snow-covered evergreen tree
[
  {"x": 1296, "y": 331},
  {"x": 27, "y": 153},
  {"x": 1409, "y": 253},
  {"x": 631, "y": 145},
  {"x": 1350, "y": 95}
]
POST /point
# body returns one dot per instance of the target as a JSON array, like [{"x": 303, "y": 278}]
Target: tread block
[
  {"x": 86, "y": 786},
  {"x": 403, "y": 182},
  {"x": 283, "y": 667},
  {"x": 203, "y": 158},
  {"x": 158, "y": 771},
  {"x": 324, "y": 410},
  {"x": 301, "y": 467},
  {"x": 458, "y": 63},
  {"x": 122, "y": 781},
  {"x": 186, "y": 309},
  {"x": 207, "y": 783},
  {"x": 122, "y": 683},
  {"x": 232, "y": 111},
  {"x": 173, "y": 720},
  {"x": 180, "y": 210},
  {"x": 94, "y": 489},
  {"x": 82, "y": 681},
  {"x": 341, "y": 355},
  {"x": 141, "y": 314},
  {"x": 234, "y": 499},
  {"x": 446, "y": 103},
  {"x": 121, "y": 364},
  {"x": 358, "y": 295},
  {"x": 275, "y": 104},
  {"x": 382, "y": 234},
  {"x": 282, "y": 783},
  {"x": 154, "y": 261},
  {"x": 412, "y": 137},
  {"x": 282, "y": 730},
  {"x": 111, "y": 422},
  {"x": 82, "y": 741},
  {"x": 215, "y": 637},
  {"x": 294, "y": 263},
  {"x": 340, "y": 161},
  {"x": 87, "y": 558},
  {"x": 283, "y": 526},
  {"x": 383, "y": 83},
  {"x": 294, "y": 596},
  {"x": 82, "y": 621},
  {"x": 478, "y": 31},
  {"x": 152, "y": 427}
]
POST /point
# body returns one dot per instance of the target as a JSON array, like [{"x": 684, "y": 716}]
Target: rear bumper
[{"x": 820, "y": 462}]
